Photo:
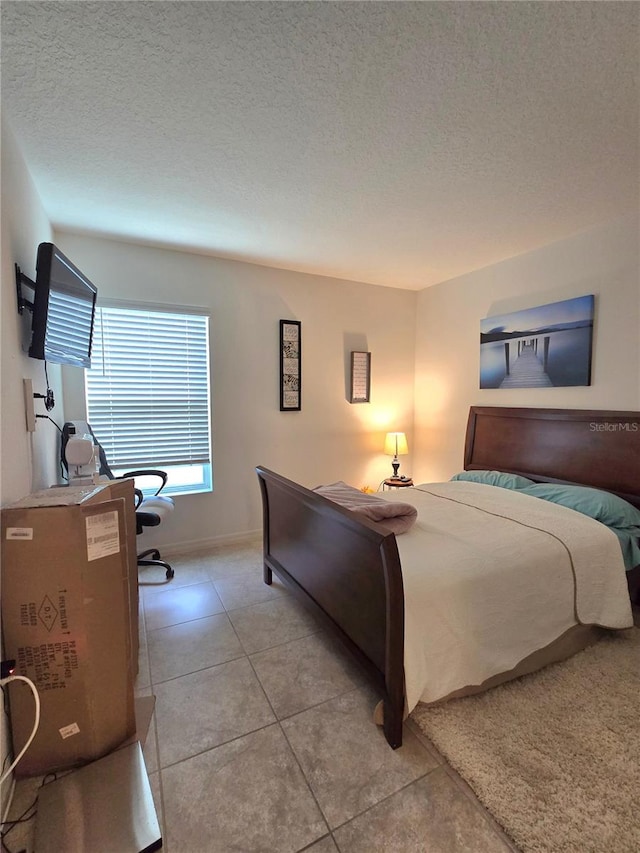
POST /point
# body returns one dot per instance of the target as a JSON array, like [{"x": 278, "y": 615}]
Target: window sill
[{"x": 176, "y": 493}]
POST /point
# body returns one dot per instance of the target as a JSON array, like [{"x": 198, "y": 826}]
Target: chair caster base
[
  {"x": 152, "y": 558},
  {"x": 153, "y": 553}
]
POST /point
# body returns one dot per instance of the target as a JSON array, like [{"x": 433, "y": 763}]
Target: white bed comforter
[{"x": 491, "y": 575}]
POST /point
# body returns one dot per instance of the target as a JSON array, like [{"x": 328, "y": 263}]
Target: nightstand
[{"x": 396, "y": 483}]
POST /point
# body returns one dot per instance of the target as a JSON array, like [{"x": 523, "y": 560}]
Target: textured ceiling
[{"x": 393, "y": 143}]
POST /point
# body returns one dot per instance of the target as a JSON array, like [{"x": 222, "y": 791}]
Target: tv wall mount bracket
[
  {"x": 23, "y": 303},
  {"x": 22, "y": 279}
]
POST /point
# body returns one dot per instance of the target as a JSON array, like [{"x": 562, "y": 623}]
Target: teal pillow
[
  {"x": 603, "y": 506},
  {"x": 495, "y": 478},
  {"x": 620, "y": 517},
  {"x": 629, "y": 539}
]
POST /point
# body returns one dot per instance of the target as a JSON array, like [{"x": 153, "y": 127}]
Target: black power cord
[
  {"x": 47, "y": 418},
  {"x": 49, "y": 402},
  {"x": 11, "y": 824}
]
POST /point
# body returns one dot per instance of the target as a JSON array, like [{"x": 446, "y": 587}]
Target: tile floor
[{"x": 263, "y": 738}]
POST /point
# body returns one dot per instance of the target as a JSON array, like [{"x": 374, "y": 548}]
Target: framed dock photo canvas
[
  {"x": 290, "y": 366},
  {"x": 545, "y": 347}
]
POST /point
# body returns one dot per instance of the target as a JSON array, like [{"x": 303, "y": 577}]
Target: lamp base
[{"x": 395, "y": 465}]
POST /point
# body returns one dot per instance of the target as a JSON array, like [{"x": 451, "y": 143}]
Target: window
[{"x": 148, "y": 393}]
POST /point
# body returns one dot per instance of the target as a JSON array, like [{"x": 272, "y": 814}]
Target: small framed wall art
[
  {"x": 360, "y": 377},
  {"x": 290, "y": 366}
]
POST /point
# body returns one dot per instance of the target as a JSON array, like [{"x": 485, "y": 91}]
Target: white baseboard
[{"x": 192, "y": 545}]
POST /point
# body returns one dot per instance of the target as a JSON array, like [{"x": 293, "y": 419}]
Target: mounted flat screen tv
[{"x": 63, "y": 310}]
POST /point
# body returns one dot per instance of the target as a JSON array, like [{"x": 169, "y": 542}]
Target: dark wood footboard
[{"x": 348, "y": 573}]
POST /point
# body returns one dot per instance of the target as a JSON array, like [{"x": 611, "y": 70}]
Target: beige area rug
[{"x": 555, "y": 756}]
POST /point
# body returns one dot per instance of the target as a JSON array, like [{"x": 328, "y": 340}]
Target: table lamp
[{"x": 395, "y": 444}]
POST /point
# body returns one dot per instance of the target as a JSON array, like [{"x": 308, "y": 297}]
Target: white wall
[
  {"x": 329, "y": 439},
  {"x": 27, "y": 460},
  {"x": 603, "y": 261}
]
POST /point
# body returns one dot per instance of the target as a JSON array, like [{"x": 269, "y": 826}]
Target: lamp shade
[{"x": 395, "y": 444}]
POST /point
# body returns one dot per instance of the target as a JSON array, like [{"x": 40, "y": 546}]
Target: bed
[{"x": 348, "y": 570}]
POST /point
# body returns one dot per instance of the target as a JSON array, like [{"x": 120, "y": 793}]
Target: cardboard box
[
  {"x": 124, "y": 489},
  {"x": 66, "y": 621},
  {"x": 88, "y": 494}
]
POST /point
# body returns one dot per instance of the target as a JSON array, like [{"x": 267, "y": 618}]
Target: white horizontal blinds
[{"x": 148, "y": 387}]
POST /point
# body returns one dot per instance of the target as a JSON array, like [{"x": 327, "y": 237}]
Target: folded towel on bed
[{"x": 396, "y": 517}]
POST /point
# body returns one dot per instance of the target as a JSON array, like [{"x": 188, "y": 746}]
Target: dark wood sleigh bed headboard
[{"x": 586, "y": 447}]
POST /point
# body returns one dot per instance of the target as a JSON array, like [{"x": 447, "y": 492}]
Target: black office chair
[{"x": 149, "y": 511}]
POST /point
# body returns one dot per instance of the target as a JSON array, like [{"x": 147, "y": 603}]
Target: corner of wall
[{"x": 602, "y": 261}]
